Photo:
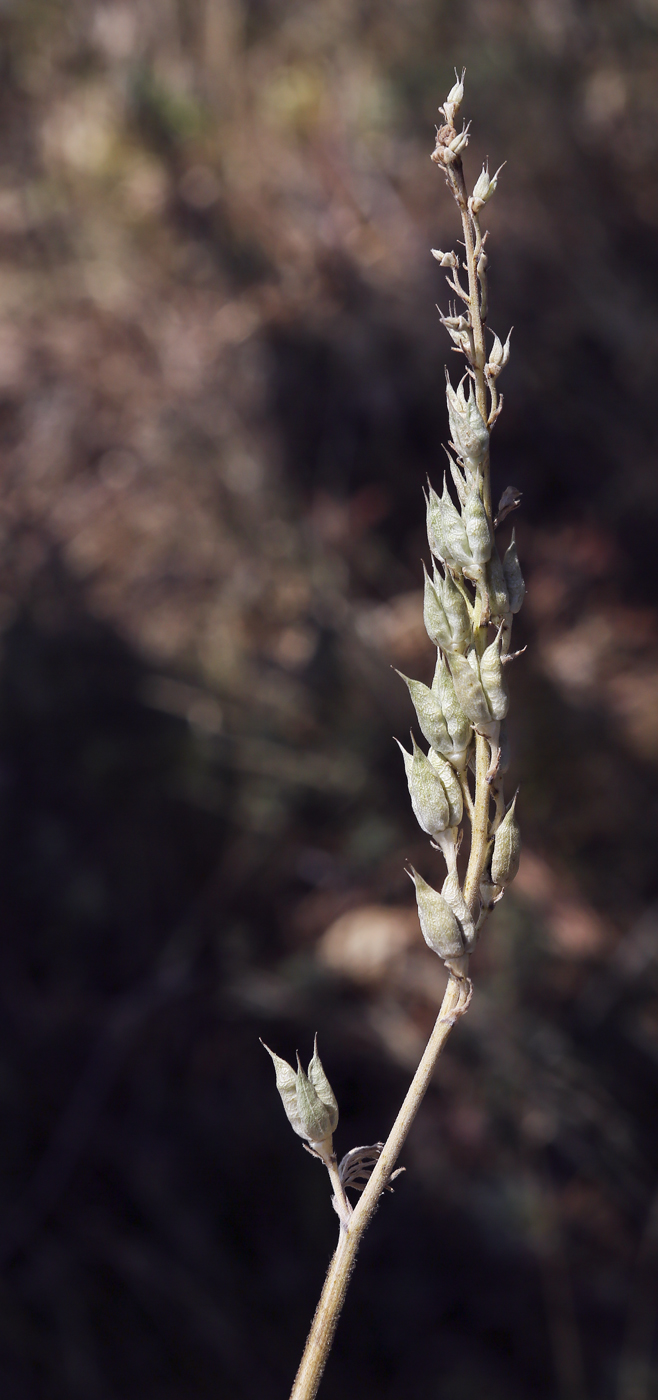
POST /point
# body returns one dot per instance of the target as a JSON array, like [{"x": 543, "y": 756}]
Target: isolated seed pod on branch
[{"x": 308, "y": 1099}]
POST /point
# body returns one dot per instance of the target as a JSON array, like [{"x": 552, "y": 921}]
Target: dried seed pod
[
  {"x": 429, "y": 714},
  {"x": 507, "y": 848},
  {"x": 484, "y": 188},
  {"x": 470, "y": 435},
  {"x": 458, "y": 726},
  {"x": 438, "y": 924},
  {"x": 513, "y": 576},
  {"x": 444, "y": 259},
  {"x": 498, "y": 357},
  {"x": 452, "y": 893},
  {"x": 468, "y": 688},
  {"x": 460, "y": 484},
  {"x": 491, "y": 676},
  {"x": 308, "y": 1100},
  {"x": 451, "y": 532},
  {"x": 453, "y": 792},
  {"x": 429, "y": 800},
  {"x": 436, "y": 623},
  {"x": 457, "y": 614},
  {"x": 477, "y": 527}
]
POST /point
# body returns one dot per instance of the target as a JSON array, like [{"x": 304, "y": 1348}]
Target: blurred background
[{"x": 221, "y": 390}]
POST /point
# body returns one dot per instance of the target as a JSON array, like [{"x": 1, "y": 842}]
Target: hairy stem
[{"x": 328, "y": 1311}]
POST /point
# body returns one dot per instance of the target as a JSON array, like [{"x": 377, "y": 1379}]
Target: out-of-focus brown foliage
[{"x": 221, "y": 383}]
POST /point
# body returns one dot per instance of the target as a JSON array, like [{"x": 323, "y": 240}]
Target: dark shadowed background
[{"x": 221, "y": 390}]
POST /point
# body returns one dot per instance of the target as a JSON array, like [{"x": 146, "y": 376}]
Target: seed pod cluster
[{"x": 469, "y": 605}]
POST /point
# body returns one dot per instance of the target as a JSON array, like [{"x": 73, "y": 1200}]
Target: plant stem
[
  {"x": 318, "y": 1346},
  {"x": 479, "y": 825}
]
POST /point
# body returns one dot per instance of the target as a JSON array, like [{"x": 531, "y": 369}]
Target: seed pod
[
  {"x": 468, "y": 688},
  {"x": 431, "y": 806},
  {"x": 507, "y": 849},
  {"x": 429, "y": 714},
  {"x": 308, "y": 1100},
  {"x": 452, "y": 790},
  {"x": 496, "y": 587},
  {"x": 477, "y": 527},
  {"x": 513, "y": 576},
  {"x": 452, "y": 532},
  {"x": 468, "y": 429},
  {"x": 457, "y": 614},
  {"x": 438, "y": 924},
  {"x": 452, "y": 893},
  {"x": 436, "y": 623},
  {"x": 491, "y": 675},
  {"x": 460, "y": 484},
  {"x": 458, "y": 726}
]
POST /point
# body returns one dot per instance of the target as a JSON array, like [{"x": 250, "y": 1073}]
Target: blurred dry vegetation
[{"x": 221, "y": 388}]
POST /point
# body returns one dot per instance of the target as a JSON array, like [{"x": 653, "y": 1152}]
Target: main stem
[{"x": 332, "y": 1298}]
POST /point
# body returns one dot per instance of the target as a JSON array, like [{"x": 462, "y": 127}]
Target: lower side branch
[{"x": 455, "y": 1003}]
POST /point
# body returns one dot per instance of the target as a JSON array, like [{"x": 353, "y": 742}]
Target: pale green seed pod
[
  {"x": 308, "y": 1100},
  {"x": 468, "y": 429},
  {"x": 453, "y": 792},
  {"x": 436, "y": 623},
  {"x": 468, "y": 688},
  {"x": 507, "y": 849},
  {"x": 513, "y": 576},
  {"x": 499, "y": 604},
  {"x": 477, "y": 527},
  {"x": 438, "y": 924},
  {"x": 322, "y": 1086},
  {"x": 460, "y": 484},
  {"x": 458, "y": 726},
  {"x": 452, "y": 893},
  {"x": 429, "y": 801},
  {"x": 491, "y": 675},
  {"x": 457, "y": 613},
  {"x": 429, "y": 714},
  {"x": 451, "y": 532}
]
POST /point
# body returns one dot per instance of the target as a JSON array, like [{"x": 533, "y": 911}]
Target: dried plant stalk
[{"x": 469, "y": 607}]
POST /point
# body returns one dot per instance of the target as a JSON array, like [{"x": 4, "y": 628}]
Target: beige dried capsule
[
  {"x": 444, "y": 259},
  {"x": 485, "y": 187},
  {"x": 438, "y": 925},
  {"x": 507, "y": 848}
]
